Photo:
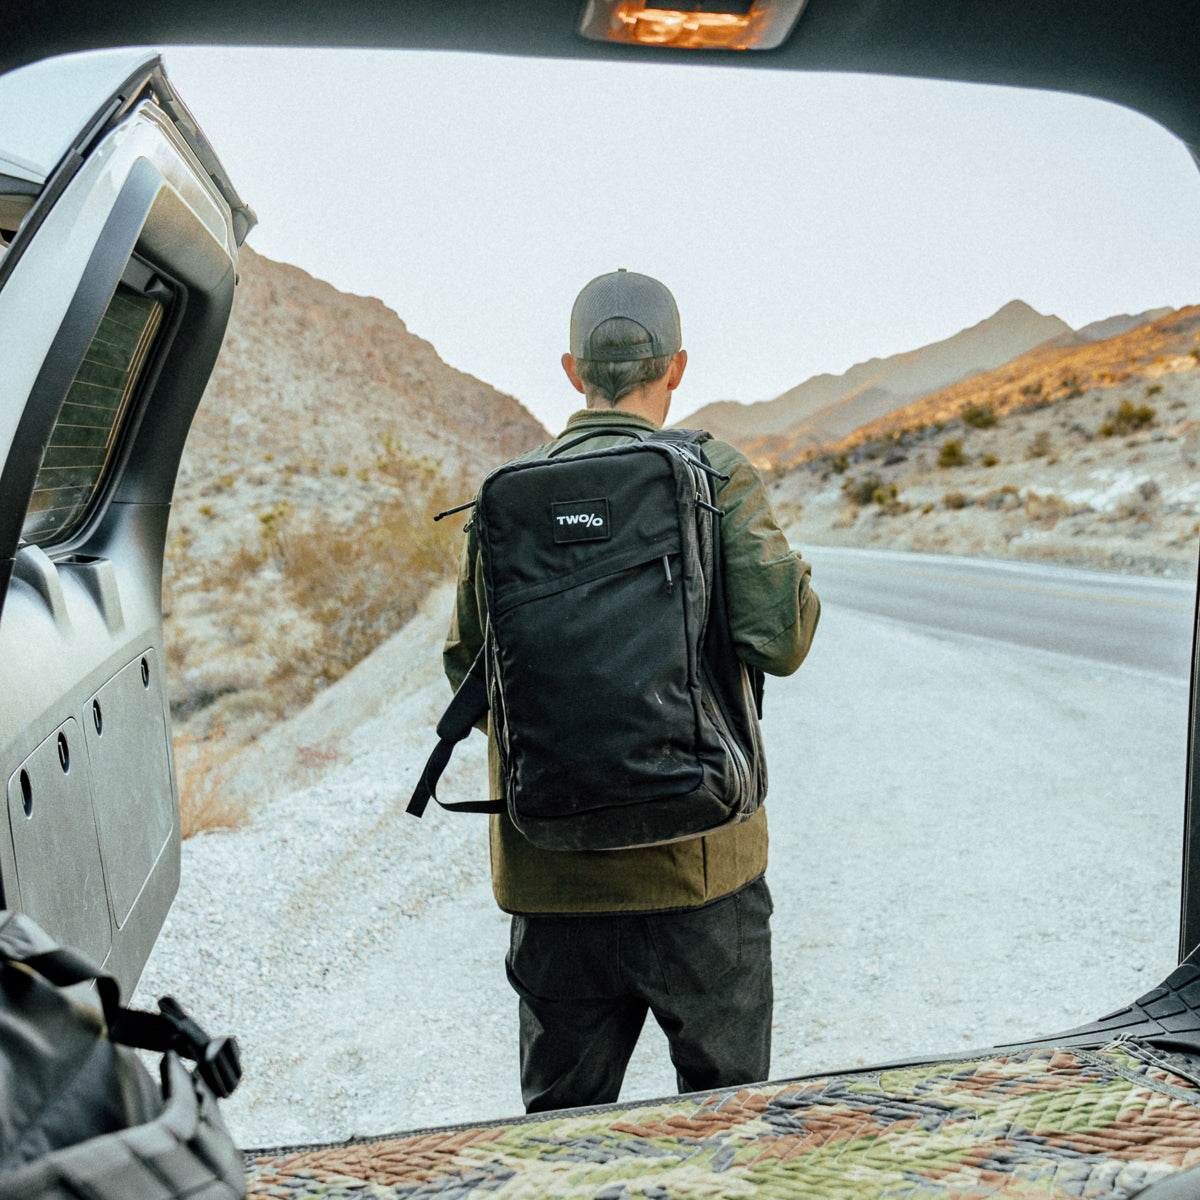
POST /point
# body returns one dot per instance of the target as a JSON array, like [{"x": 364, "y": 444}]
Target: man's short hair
[{"x": 610, "y": 380}]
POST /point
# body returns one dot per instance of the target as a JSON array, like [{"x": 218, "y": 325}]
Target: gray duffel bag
[{"x": 80, "y": 1115}]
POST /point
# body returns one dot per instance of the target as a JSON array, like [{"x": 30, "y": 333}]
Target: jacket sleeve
[
  {"x": 465, "y": 636},
  {"x": 773, "y": 610}
]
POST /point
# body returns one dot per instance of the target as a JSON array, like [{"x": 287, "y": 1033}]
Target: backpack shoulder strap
[
  {"x": 681, "y": 437},
  {"x": 470, "y": 704}
]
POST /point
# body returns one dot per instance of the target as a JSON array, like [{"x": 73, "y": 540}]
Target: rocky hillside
[
  {"x": 301, "y": 531},
  {"x": 826, "y": 408},
  {"x": 1083, "y": 454},
  {"x": 308, "y": 374}
]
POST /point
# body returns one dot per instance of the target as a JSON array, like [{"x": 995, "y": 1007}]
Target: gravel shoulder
[{"x": 971, "y": 843}]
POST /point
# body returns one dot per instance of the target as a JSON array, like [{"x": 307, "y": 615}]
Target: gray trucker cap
[{"x": 635, "y": 297}]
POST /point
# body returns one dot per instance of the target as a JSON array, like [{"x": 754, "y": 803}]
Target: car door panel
[
  {"x": 111, "y": 315},
  {"x": 52, "y": 821}
]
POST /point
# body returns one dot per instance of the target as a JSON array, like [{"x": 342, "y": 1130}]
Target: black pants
[{"x": 586, "y": 982}]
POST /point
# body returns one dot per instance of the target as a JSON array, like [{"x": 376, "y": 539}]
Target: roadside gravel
[{"x": 971, "y": 843}]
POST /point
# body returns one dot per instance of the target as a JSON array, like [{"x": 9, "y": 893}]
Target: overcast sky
[{"x": 804, "y": 222}]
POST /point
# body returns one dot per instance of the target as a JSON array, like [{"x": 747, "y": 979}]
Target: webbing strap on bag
[
  {"x": 82, "y": 1114},
  {"x": 469, "y": 705},
  {"x": 217, "y": 1059}
]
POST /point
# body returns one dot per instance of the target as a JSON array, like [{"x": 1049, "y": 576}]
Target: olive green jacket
[{"x": 773, "y": 615}]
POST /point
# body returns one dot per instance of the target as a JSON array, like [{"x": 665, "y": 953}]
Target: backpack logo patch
[{"x": 581, "y": 520}]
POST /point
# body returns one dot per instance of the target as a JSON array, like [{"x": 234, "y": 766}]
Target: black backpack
[
  {"x": 623, "y": 716},
  {"x": 79, "y": 1113}
]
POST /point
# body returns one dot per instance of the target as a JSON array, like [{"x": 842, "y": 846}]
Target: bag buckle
[{"x": 218, "y": 1060}]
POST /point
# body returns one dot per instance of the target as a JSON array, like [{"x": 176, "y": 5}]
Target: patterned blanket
[{"x": 1039, "y": 1123}]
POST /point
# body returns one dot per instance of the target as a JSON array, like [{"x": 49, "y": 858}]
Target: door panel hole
[
  {"x": 27, "y": 793},
  {"x": 145, "y": 673},
  {"x": 64, "y": 753},
  {"x": 97, "y": 717}
]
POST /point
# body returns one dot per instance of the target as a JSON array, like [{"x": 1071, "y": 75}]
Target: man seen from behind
[{"x": 681, "y": 930}]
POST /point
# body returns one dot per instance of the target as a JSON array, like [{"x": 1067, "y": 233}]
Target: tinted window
[{"x": 88, "y": 428}]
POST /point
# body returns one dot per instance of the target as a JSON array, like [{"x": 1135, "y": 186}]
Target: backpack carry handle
[{"x": 600, "y": 431}]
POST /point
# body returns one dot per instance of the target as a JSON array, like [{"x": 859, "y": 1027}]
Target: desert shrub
[
  {"x": 1046, "y": 508},
  {"x": 361, "y": 581},
  {"x": 788, "y": 512},
  {"x": 1040, "y": 446},
  {"x": 884, "y": 495},
  {"x": 1006, "y": 497},
  {"x": 272, "y": 524},
  {"x": 1128, "y": 418},
  {"x": 951, "y": 455},
  {"x": 956, "y": 500},
  {"x": 861, "y": 491},
  {"x": 204, "y": 768},
  {"x": 1136, "y": 505},
  {"x": 1153, "y": 389},
  {"x": 1071, "y": 387},
  {"x": 979, "y": 416},
  {"x": 1032, "y": 389},
  {"x": 927, "y": 508},
  {"x": 838, "y": 464},
  {"x": 226, "y": 572},
  {"x": 989, "y": 460}
]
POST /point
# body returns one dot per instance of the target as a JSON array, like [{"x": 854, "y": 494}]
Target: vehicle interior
[{"x": 83, "y": 535}]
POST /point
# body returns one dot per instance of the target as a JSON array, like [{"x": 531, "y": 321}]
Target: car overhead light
[{"x": 756, "y": 25}]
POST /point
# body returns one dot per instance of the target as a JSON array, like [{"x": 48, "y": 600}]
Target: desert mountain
[
  {"x": 308, "y": 374},
  {"x": 301, "y": 529},
  {"x": 1083, "y": 454},
  {"x": 1141, "y": 356},
  {"x": 1099, "y": 331},
  {"x": 826, "y": 408}
]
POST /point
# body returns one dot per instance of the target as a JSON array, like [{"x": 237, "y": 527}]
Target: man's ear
[
  {"x": 676, "y": 369},
  {"x": 572, "y": 371}
]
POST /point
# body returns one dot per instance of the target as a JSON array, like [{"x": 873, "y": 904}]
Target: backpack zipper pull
[{"x": 667, "y": 568}]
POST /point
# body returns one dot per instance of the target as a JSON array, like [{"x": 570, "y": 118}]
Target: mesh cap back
[{"x": 634, "y": 297}]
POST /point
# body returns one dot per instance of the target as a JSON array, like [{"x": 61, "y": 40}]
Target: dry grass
[
  {"x": 360, "y": 581},
  {"x": 204, "y": 769},
  {"x": 306, "y": 594}
]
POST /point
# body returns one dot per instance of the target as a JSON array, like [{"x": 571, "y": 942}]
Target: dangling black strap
[
  {"x": 470, "y": 704},
  {"x": 217, "y": 1060}
]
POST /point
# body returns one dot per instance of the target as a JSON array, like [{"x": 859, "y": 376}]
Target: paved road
[{"x": 1128, "y": 620}]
